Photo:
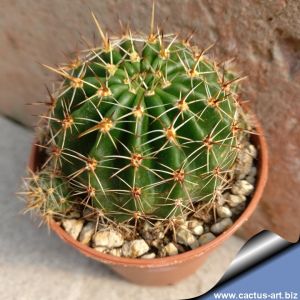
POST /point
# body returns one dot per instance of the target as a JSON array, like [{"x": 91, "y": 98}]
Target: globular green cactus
[
  {"x": 146, "y": 126},
  {"x": 49, "y": 193}
]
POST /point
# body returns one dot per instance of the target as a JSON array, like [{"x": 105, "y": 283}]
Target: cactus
[
  {"x": 140, "y": 127},
  {"x": 49, "y": 193}
]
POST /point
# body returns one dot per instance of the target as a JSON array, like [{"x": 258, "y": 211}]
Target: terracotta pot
[{"x": 169, "y": 270}]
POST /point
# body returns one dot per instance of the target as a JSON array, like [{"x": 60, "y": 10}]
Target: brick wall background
[{"x": 263, "y": 36}]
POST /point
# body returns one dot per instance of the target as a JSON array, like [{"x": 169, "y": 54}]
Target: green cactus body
[
  {"x": 145, "y": 125},
  {"x": 50, "y": 193},
  {"x": 140, "y": 127}
]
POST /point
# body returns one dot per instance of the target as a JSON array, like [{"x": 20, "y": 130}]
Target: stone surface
[
  {"x": 116, "y": 252},
  {"x": 73, "y": 227},
  {"x": 197, "y": 230},
  {"x": 87, "y": 233},
  {"x": 251, "y": 179},
  {"x": 108, "y": 238},
  {"x": 101, "y": 249},
  {"x": 235, "y": 200},
  {"x": 194, "y": 245},
  {"x": 224, "y": 212},
  {"x": 185, "y": 237},
  {"x": 238, "y": 209},
  {"x": 157, "y": 243},
  {"x": 252, "y": 151},
  {"x": 148, "y": 256},
  {"x": 171, "y": 249},
  {"x": 221, "y": 226},
  {"x": 242, "y": 188},
  {"x": 158, "y": 231},
  {"x": 245, "y": 161},
  {"x": 206, "y": 238},
  {"x": 262, "y": 36},
  {"x": 135, "y": 248},
  {"x": 195, "y": 227}
]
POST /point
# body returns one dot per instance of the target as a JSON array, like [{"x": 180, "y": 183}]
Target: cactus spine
[{"x": 141, "y": 127}]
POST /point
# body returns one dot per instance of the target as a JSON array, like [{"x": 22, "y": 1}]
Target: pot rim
[{"x": 262, "y": 175}]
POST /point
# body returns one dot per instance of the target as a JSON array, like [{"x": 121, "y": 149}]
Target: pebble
[
  {"x": 147, "y": 227},
  {"x": 171, "y": 249},
  {"x": 162, "y": 252},
  {"x": 252, "y": 151},
  {"x": 180, "y": 220},
  {"x": 160, "y": 235},
  {"x": 250, "y": 179},
  {"x": 242, "y": 187},
  {"x": 135, "y": 248},
  {"x": 108, "y": 238},
  {"x": 87, "y": 233},
  {"x": 245, "y": 161},
  {"x": 181, "y": 249},
  {"x": 101, "y": 249},
  {"x": 73, "y": 227},
  {"x": 206, "y": 228},
  {"x": 251, "y": 176},
  {"x": 198, "y": 230},
  {"x": 195, "y": 244},
  {"x": 150, "y": 232},
  {"x": 221, "y": 199},
  {"x": 224, "y": 212},
  {"x": 148, "y": 255},
  {"x": 221, "y": 226},
  {"x": 185, "y": 237},
  {"x": 253, "y": 172},
  {"x": 195, "y": 227},
  {"x": 235, "y": 200},
  {"x": 157, "y": 244},
  {"x": 206, "y": 238},
  {"x": 244, "y": 165},
  {"x": 116, "y": 252},
  {"x": 238, "y": 209},
  {"x": 158, "y": 231},
  {"x": 147, "y": 235},
  {"x": 192, "y": 223}
]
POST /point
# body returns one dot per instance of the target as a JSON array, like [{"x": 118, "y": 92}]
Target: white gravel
[{"x": 73, "y": 227}]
